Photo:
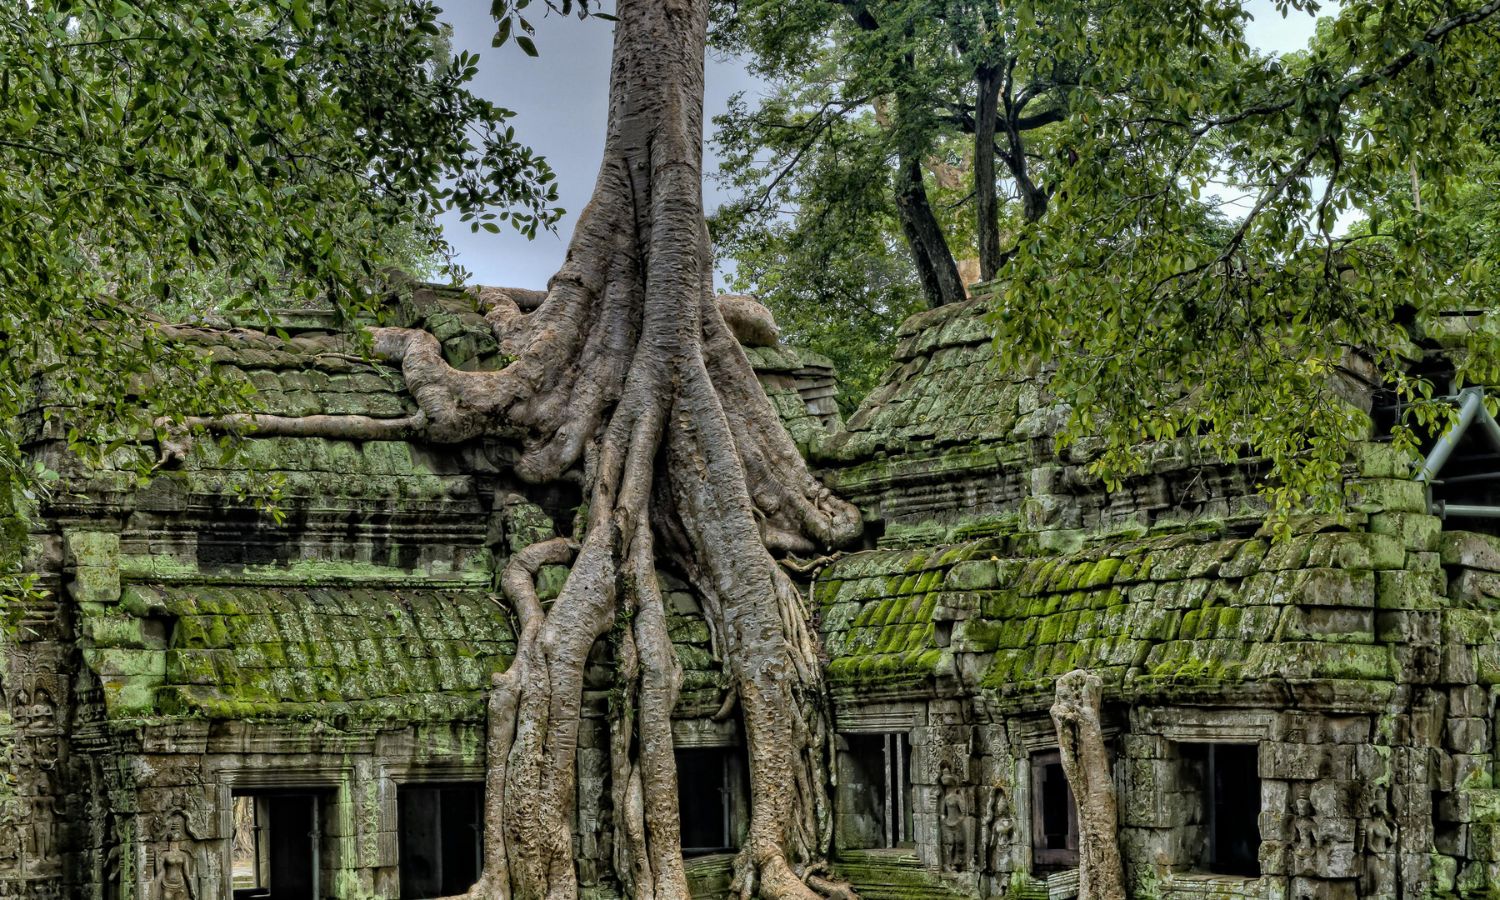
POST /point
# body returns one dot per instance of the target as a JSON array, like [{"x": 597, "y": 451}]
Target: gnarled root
[{"x": 627, "y": 372}]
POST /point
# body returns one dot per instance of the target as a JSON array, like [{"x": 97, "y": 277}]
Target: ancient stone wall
[
  {"x": 199, "y": 653},
  {"x": 1344, "y": 668}
]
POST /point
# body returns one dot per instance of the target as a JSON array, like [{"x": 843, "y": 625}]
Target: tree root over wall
[{"x": 626, "y": 378}]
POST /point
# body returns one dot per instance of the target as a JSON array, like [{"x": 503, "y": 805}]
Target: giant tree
[{"x": 626, "y": 380}]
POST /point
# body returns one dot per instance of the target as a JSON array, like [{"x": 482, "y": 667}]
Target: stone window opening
[
  {"x": 875, "y": 792},
  {"x": 277, "y": 844},
  {"x": 1226, "y": 781},
  {"x": 712, "y": 798},
  {"x": 441, "y": 833},
  {"x": 1054, "y": 815}
]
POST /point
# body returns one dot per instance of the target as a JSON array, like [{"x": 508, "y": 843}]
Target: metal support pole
[
  {"x": 1472, "y": 405},
  {"x": 1487, "y": 421},
  {"x": 1464, "y": 511}
]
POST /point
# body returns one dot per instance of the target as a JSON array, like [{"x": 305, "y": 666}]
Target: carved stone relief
[
  {"x": 955, "y": 821},
  {"x": 1000, "y": 829},
  {"x": 1376, "y": 840},
  {"x": 176, "y": 868}
]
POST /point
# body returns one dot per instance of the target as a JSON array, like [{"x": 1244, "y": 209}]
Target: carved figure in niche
[
  {"x": 10, "y": 831},
  {"x": 41, "y": 805},
  {"x": 1304, "y": 830},
  {"x": 42, "y": 712},
  {"x": 112, "y": 872},
  {"x": 955, "y": 822},
  {"x": 1002, "y": 828},
  {"x": 1376, "y": 839},
  {"x": 174, "y": 865}
]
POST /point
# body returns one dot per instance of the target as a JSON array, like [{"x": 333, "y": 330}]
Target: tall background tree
[{"x": 930, "y": 125}]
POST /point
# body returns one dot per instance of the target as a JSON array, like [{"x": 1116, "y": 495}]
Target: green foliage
[
  {"x": 17, "y": 589},
  {"x": 156, "y": 154},
  {"x": 815, "y": 232},
  {"x": 859, "y": 91},
  {"x": 835, "y": 274},
  {"x": 1244, "y": 335}
]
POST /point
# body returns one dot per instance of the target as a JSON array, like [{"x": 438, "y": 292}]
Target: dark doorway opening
[
  {"x": 1234, "y": 809},
  {"x": 710, "y": 787},
  {"x": 441, "y": 835},
  {"x": 876, "y": 791},
  {"x": 1229, "y": 806},
  {"x": 1054, "y": 816},
  {"x": 277, "y": 835}
]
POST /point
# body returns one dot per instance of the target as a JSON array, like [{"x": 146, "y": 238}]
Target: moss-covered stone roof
[
  {"x": 876, "y": 614},
  {"x": 408, "y": 654},
  {"x": 1183, "y": 609},
  {"x": 945, "y": 390},
  {"x": 365, "y": 595},
  {"x": 1150, "y": 613},
  {"x": 949, "y": 437}
]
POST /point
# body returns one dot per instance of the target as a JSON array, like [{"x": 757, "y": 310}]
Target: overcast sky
[{"x": 559, "y": 100}]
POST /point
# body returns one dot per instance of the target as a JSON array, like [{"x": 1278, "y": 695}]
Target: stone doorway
[
  {"x": 710, "y": 787},
  {"x": 277, "y": 837},
  {"x": 441, "y": 831},
  {"x": 875, "y": 792}
]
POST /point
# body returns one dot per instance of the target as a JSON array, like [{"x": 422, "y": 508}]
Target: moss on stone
[{"x": 248, "y": 652}]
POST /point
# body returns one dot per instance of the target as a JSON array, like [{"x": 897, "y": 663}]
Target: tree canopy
[
  {"x": 920, "y": 124},
  {"x": 1200, "y": 239},
  {"x": 1248, "y": 328},
  {"x": 272, "y": 153}
]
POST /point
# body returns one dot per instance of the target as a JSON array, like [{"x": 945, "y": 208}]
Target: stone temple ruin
[{"x": 214, "y": 704}]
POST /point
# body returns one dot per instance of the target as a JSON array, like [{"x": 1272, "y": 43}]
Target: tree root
[
  {"x": 810, "y": 567},
  {"x": 627, "y": 380},
  {"x": 1085, "y": 759}
]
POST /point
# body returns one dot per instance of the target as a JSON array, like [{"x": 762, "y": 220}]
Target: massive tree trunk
[
  {"x": 626, "y": 378},
  {"x": 1085, "y": 759}
]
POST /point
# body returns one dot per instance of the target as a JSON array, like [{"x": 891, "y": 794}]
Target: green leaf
[{"x": 302, "y": 15}]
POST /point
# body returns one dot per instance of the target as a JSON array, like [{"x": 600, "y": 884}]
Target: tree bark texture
[
  {"x": 1085, "y": 759},
  {"x": 987, "y": 201},
  {"x": 936, "y": 269},
  {"x": 627, "y": 377}
]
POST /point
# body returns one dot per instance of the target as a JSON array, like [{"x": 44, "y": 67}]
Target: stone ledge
[{"x": 1218, "y": 887}]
